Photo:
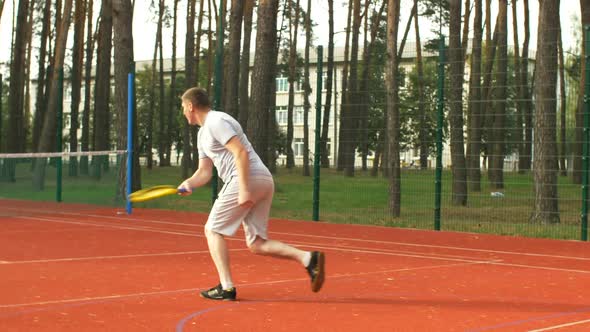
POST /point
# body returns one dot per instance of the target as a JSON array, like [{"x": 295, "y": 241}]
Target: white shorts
[{"x": 226, "y": 215}]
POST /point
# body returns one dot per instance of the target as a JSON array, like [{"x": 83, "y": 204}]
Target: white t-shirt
[{"x": 217, "y": 130}]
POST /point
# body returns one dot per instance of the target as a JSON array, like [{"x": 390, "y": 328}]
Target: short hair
[{"x": 198, "y": 97}]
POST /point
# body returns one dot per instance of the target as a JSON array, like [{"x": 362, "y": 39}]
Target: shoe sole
[
  {"x": 212, "y": 299},
  {"x": 317, "y": 284}
]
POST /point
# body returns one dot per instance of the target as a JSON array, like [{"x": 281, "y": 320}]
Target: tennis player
[{"x": 245, "y": 198}]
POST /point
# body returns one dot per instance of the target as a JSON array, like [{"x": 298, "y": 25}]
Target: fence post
[
  {"x": 586, "y": 137},
  {"x": 439, "y": 132},
  {"x": 318, "y": 125},
  {"x": 59, "y": 115},
  {"x": 130, "y": 107},
  {"x": 218, "y": 87}
]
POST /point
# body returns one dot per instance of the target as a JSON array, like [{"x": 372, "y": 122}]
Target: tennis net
[{"x": 74, "y": 177}]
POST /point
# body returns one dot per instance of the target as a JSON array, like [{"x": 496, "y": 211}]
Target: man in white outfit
[{"x": 245, "y": 198}]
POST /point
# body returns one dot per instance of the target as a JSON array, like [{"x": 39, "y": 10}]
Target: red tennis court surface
[{"x": 81, "y": 268}]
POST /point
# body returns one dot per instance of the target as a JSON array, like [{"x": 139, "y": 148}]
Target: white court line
[
  {"x": 417, "y": 255},
  {"x": 124, "y": 296},
  {"x": 327, "y": 237},
  {"x": 92, "y": 258},
  {"x": 562, "y": 325}
]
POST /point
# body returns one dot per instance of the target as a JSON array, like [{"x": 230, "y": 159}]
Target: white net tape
[{"x": 61, "y": 154}]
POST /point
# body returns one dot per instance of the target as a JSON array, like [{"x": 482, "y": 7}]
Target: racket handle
[{"x": 182, "y": 191}]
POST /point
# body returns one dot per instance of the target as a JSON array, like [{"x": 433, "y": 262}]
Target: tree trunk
[
  {"x": 232, "y": 66},
  {"x": 194, "y": 131},
  {"x": 363, "y": 94},
  {"x": 263, "y": 77},
  {"x": 475, "y": 104},
  {"x": 579, "y": 131},
  {"x": 459, "y": 190},
  {"x": 486, "y": 94},
  {"x": 307, "y": 92},
  {"x": 85, "y": 140},
  {"x": 524, "y": 160},
  {"x": 190, "y": 80},
  {"x": 150, "y": 124},
  {"x": 498, "y": 131},
  {"x": 350, "y": 129},
  {"x": 545, "y": 138},
  {"x": 245, "y": 64},
  {"x": 1, "y": 8},
  {"x": 173, "y": 101},
  {"x": 102, "y": 94},
  {"x": 293, "y": 32},
  {"x": 77, "y": 66},
  {"x": 364, "y": 85},
  {"x": 40, "y": 104},
  {"x": 562, "y": 107},
  {"x": 519, "y": 130},
  {"x": 465, "y": 40},
  {"x": 377, "y": 160},
  {"x": 423, "y": 135},
  {"x": 48, "y": 132},
  {"x": 15, "y": 137},
  {"x": 212, "y": 9},
  {"x": 324, "y": 153},
  {"x": 162, "y": 91},
  {"x": 345, "y": 104},
  {"x": 27, "y": 87},
  {"x": 393, "y": 112},
  {"x": 123, "y": 46},
  {"x": 402, "y": 44}
]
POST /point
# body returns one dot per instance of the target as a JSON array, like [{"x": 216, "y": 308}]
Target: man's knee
[
  {"x": 257, "y": 247},
  {"x": 210, "y": 233}
]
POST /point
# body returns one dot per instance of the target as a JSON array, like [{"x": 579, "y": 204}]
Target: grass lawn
[{"x": 360, "y": 200}]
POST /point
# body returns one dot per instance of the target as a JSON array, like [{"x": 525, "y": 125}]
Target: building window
[
  {"x": 298, "y": 147},
  {"x": 281, "y": 115},
  {"x": 282, "y": 84},
  {"x": 298, "y": 115}
]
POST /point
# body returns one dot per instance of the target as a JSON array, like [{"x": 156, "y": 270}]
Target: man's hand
[
  {"x": 186, "y": 188},
  {"x": 245, "y": 199}
]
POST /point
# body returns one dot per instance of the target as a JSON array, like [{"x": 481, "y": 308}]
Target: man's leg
[
  {"x": 279, "y": 250},
  {"x": 220, "y": 256}
]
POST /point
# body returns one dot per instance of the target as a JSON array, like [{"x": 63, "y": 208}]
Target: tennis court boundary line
[
  {"x": 315, "y": 245},
  {"x": 322, "y": 236},
  {"x": 555, "y": 327},
  {"x": 140, "y": 294},
  {"x": 91, "y": 258}
]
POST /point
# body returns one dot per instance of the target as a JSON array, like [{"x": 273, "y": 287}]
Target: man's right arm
[{"x": 201, "y": 177}]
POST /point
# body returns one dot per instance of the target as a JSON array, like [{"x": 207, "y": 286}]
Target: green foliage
[{"x": 410, "y": 110}]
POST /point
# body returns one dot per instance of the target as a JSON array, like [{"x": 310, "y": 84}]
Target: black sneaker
[
  {"x": 316, "y": 270},
  {"x": 220, "y": 294}
]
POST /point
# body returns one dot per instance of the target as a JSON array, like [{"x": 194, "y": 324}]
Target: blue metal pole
[{"x": 130, "y": 87}]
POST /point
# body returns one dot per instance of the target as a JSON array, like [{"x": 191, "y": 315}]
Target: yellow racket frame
[{"x": 152, "y": 193}]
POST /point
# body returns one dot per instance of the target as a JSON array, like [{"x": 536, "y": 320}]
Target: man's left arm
[{"x": 235, "y": 146}]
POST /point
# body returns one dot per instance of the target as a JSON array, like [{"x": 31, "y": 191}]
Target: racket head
[{"x": 152, "y": 193}]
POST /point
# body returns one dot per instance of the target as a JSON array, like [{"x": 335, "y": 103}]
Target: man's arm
[
  {"x": 201, "y": 177},
  {"x": 235, "y": 146}
]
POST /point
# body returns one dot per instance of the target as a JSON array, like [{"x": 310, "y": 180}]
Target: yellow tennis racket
[{"x": 154, "y": 192}]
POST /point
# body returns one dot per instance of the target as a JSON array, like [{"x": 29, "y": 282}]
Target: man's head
[{"x": 195, "y": 103}]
